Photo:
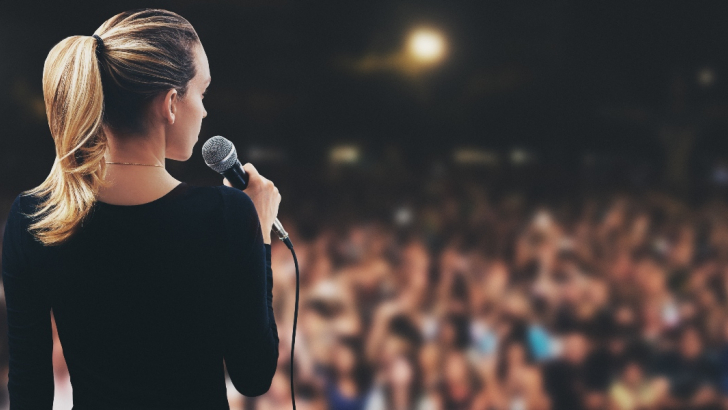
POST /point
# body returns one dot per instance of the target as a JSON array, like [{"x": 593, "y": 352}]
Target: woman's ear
[{"x": 171, "y": 98}]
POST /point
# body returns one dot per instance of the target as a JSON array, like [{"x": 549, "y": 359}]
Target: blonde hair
[{"x": 90, "y": 86}]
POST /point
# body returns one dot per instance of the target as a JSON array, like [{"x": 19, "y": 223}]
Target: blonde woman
[{"x": 153, "y": 282}]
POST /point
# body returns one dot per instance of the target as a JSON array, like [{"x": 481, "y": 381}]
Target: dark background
[{"x": 577, "y": 84}]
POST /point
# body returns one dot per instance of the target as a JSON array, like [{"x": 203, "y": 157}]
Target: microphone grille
[{"x": 219, "y": 153}]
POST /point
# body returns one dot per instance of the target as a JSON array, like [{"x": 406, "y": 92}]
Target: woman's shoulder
[
  {"x": 239, "y": 212},
  {"x": 16, "y": 206},
  {"x": 235, "y": 200},
  {"x": 15, "y": 237},
  {"x": 233, "y": 194},
  {"x": 229, "y": 202},
  {"x": 22, "y": 207}
]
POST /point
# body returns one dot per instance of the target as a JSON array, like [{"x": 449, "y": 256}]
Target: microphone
[{"x": 220, "y": 155}]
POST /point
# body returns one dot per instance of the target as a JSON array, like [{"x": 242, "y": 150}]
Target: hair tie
[{"x": 99, "y": 42}]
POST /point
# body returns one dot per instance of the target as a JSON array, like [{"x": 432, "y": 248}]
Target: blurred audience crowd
[{"x": 462, "y": 300}]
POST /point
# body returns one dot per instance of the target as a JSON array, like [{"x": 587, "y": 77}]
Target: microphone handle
[{"x": 239, "y": 179}]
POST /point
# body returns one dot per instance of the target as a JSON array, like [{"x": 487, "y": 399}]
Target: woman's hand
[{"x": 265, "y": 197}]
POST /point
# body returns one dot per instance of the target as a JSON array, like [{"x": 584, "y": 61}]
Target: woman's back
[{"x": 148, "y": 299}]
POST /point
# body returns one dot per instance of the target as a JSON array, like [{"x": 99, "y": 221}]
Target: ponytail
[
  {"x": 91, "y": 85},
  {"x": 74, "y": 100}
]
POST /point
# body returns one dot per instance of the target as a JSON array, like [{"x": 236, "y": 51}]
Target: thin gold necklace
[{"x": 134, "y": 163}]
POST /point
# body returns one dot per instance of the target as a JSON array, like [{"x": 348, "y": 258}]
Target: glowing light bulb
[{"x": 427, "y": 45}]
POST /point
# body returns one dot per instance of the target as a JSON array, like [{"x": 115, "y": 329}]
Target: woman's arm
[
  {"x": 251, "y": 336},
  {"x": 30, "y": 337}
]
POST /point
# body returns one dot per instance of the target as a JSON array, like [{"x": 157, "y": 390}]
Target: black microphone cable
[{"x": 288, "y": 243}]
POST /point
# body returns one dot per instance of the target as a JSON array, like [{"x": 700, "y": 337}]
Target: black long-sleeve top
[{"x": 148, "y": 300}]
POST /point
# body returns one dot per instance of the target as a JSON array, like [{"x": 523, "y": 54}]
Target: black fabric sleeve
[
  {"x": 251, "y": 336},
  {"x": 30, "y": 335}
]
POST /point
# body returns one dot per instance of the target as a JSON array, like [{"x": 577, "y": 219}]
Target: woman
[{"x": 152, "y": 281}]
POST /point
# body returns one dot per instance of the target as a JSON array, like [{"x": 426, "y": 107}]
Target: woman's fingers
[
  {"x": 249, "y": 168},
  {"x": 263, "y": 192}
]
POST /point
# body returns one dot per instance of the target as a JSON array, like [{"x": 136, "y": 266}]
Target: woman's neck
[
  {"x": 149, "y": 148},
  {"x": 136, "y": 184}
]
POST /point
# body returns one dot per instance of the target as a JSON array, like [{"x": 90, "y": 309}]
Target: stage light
[
  {"x": 474, "y": 156},
  {"x": 403, "y": 216},
  {"x": 520, "y": 157},
  {"x": 265, "y": 154},
  {"x": 427, "y": 45},
  {"x": 344, "y": 154},
  {"x": 706, "y": 77}
]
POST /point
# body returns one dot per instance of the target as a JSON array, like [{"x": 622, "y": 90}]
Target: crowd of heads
[{"x": 615, "y": 301}]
